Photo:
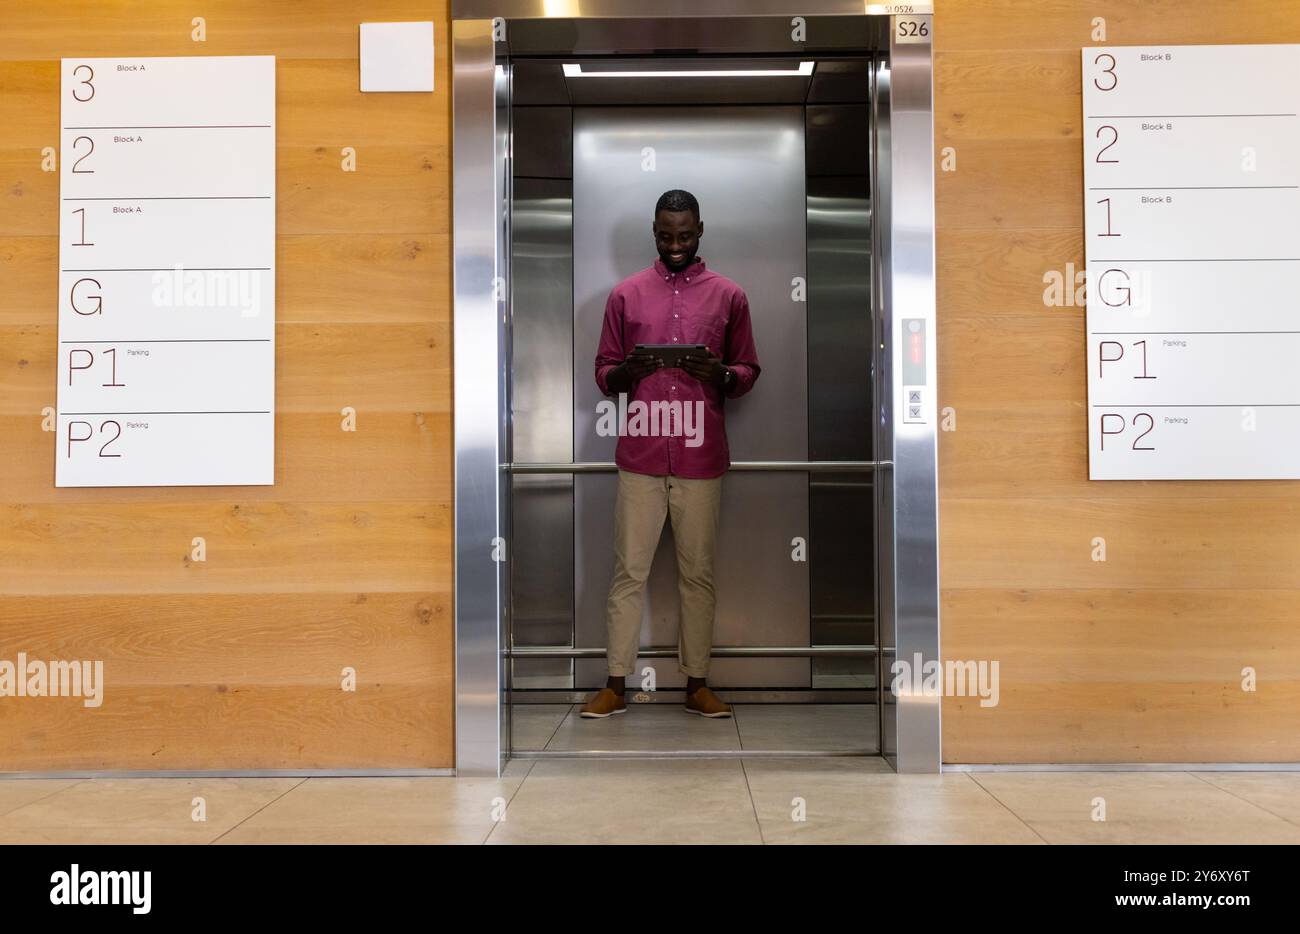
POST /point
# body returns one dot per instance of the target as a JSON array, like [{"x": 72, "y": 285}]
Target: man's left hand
[{"x": 707, "y": 369}]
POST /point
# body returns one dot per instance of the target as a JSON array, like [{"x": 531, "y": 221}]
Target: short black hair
[{"x": 678, "y": 200}]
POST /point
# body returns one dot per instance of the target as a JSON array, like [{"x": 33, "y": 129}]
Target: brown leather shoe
[
  {"x": 705, "y": 703},
  {"x": 604, "y": 703}
]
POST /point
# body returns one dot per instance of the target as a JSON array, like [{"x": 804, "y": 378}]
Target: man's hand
[
  {"x": 637, "y": 366},
  {"x": 706, "y": 368},
  {"x": 641, "y": 363}
]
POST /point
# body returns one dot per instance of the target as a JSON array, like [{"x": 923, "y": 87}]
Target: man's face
[{"x": 677, "y": 238}]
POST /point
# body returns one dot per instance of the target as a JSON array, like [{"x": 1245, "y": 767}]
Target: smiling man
[{"x": 677, "y": 301}]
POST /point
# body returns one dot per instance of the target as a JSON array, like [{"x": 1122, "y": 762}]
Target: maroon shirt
[{"x": 694, "y": 306}]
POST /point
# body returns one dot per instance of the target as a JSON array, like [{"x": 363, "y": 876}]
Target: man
[{"x": 677, "y": 473}]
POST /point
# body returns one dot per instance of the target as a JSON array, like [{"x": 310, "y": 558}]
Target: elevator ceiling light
[
  {"x": 567, "y": 9},
  {"x": 805, "y": 69}
]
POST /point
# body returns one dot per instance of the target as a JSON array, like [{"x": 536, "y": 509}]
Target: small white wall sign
[{"x": 397, "y": 56}]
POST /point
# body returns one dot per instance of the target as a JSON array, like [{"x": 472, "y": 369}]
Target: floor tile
[
  {"x": 652, "y": 801},
  {"x": 1275, "y": 792},
  {"x": 659, "y": 727},
  {"x": 862, "y": 788},
  {"x": 381, "y": 810},
  {"x": 813, "y": 727},
  {"x": 863, "y": 801},
  {"x": 533, "y": 725},
  {"x": 1127, "y": 796},
  {"x": 141, "y": 810},
  {"x": 16, "y": 792}
]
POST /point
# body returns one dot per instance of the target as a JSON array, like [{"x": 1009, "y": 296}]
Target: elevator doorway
[{"x": 590, "y": 121}]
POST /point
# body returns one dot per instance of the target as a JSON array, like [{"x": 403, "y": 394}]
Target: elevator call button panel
[{"x": 913, "y": 371}]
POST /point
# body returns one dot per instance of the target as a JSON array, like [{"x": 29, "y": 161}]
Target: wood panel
[
  {"x": 316, "y": 277},
  {"x": 1137, "y": 658},
  {"x": 319, "y": 367},
  {"x": 398, "y": 456},
  {"x": 236, "y": 662}
]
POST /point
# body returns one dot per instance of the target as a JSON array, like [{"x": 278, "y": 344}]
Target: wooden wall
[
  {"x": 1139, "y": 658},
  {"x": 236, "y": 662}
]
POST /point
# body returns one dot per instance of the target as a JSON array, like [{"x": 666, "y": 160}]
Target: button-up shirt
[{"x": 679, "y": 429}]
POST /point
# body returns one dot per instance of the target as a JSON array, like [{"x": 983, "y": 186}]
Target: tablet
[{"x": 671, "y": 354}]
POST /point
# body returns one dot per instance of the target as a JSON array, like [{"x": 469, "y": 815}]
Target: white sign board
[
  {"x": 1192, "y": 237},
  {"x": 167, "y": 272},
  {"x": 397, "y": 56}
]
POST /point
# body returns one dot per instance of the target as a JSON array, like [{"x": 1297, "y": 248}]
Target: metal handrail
[
  {"x": 721, "y": 651},
  {"x": 791, "y": 466}
]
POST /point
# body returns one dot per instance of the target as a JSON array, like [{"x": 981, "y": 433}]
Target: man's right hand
[
  {"x": 638, "y": 365},
  {"x": 641, "y": 363}
]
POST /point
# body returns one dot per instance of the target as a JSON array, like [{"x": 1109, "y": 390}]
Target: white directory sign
[
  {"x": 1192, "y": 237},
  {"x": 166, "y": 272}
]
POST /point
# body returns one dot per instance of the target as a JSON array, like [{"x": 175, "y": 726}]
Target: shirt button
[
  {"x": 676, "y": 316},
  {"x": 675, "y": 291},
  {"x": 674, "y": 338}
]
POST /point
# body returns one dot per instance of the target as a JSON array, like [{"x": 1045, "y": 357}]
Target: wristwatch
[{"x": 728, "y": 377}]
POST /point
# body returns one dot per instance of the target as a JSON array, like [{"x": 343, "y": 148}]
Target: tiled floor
[{"x": 808, "y": 800}]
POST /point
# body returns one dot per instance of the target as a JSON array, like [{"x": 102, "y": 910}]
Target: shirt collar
[{"x": 695, "y": 268}]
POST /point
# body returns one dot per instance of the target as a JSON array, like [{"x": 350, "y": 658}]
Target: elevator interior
[
  {"x": 781, "y": 140},
  {"x": 778, "y": 150}
]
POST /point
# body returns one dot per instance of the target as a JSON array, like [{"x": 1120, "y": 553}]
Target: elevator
[{"x": 806, "y": 139}]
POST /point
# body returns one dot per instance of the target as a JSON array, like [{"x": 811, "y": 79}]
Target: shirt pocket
[{"x": 711, "y": 330}]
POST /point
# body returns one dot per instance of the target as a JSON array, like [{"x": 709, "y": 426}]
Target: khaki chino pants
[{"x": 692, "y": 506}]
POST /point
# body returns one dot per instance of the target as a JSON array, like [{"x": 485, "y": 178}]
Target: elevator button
[{"x": 914, "y": 410}]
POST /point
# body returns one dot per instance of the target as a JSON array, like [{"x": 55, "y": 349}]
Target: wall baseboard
[
  {"x": 233, "y": 773},
  {"x": 1124, "y": 767}
]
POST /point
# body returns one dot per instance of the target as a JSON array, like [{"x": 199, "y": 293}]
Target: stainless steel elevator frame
[{"x": 903, "y": 233}]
